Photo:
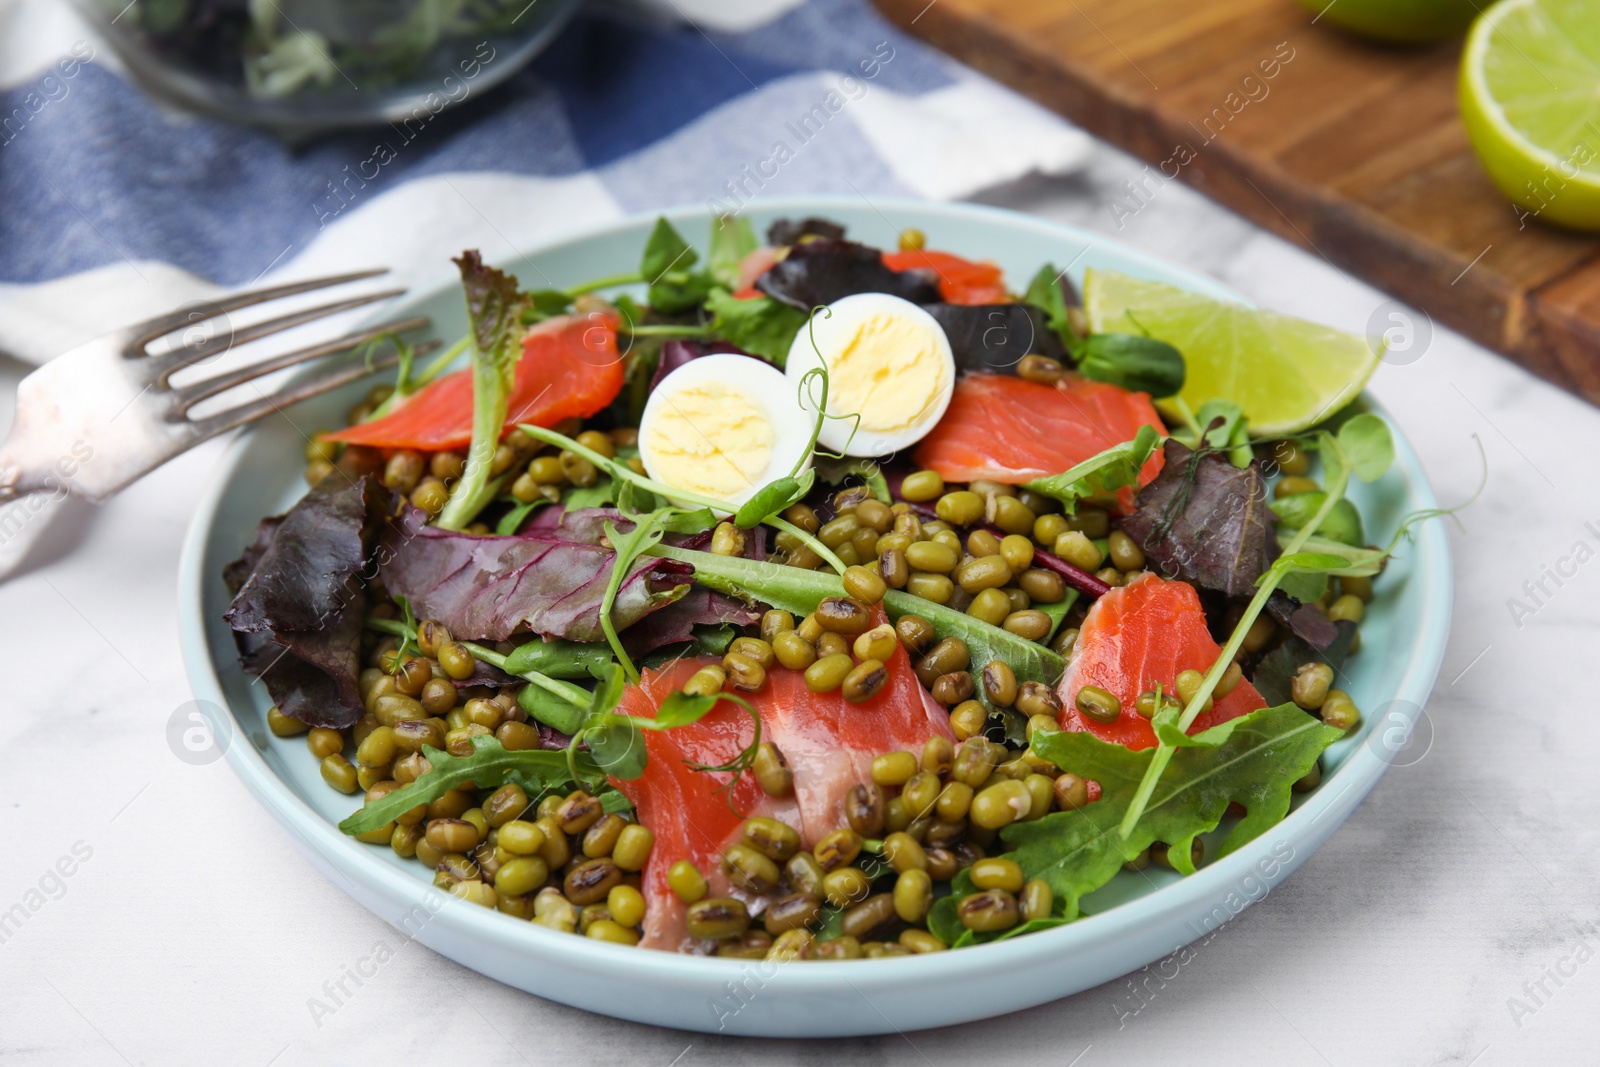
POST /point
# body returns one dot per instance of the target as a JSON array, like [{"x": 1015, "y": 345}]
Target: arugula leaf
[
  {"x": 800, "y": 591},
  {"x": 732, "y": 238},
  {"x": 559, "y": 659},
  {"x": 1165, "y": 724},
  {"x": 1256, "y": 764},
  {"x": 490, "y": 765},
  {"x": 1138, "y": 364},
  {"x": 944, "y": 923},
  {"x": 666, "y": 265},
  {"x": 759, "y": 325},
  {"x": 495, "y": 307},
  {"x": 1101, "y": 474}
]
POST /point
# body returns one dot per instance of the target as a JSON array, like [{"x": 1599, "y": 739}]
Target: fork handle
[{"x": 21, "y": 478}]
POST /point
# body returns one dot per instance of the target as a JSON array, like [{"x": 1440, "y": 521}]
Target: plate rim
[{"x": 1359, "y": 772}]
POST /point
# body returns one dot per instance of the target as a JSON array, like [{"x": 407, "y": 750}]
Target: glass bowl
[{"x": 303, "y": 66}]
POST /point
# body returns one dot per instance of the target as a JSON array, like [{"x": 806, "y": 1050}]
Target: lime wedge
[
  {"x": 1286, "y": 373},
  {"x": 1402, "y": 21},
  {"x": 1530, "y": 98}
]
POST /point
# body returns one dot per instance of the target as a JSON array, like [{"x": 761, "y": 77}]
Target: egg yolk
[
  {"x": 889, "y": 370},
  {"x": 710, "y": 439}
]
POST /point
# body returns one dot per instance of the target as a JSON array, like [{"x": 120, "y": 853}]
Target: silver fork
[{"x": 97, "y": 418}]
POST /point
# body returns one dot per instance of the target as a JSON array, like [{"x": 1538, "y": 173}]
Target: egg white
[
  {"x": 832, "y": 329},
  {"x": 763, "y": 386}
]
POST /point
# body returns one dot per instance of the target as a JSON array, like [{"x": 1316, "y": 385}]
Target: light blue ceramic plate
[{"x": 1136, "y": 920}]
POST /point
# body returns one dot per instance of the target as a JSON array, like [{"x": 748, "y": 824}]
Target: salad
[
  {"x": 815, "y": 601},
  {"x": 279, "y": 49}
]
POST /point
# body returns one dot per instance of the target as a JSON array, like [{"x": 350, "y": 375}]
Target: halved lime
[
  {"x": 1286, "y": 373},
  {"x": 1401, "y": 21},
  {"x": 1530, "y": 97}
]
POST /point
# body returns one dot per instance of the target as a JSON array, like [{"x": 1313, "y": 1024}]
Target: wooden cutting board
[{"x": 1350, "y": 149}]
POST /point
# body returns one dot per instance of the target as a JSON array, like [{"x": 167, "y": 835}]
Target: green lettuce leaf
[
  {"x": 1138, "y": 364},
  {"x": 1045, "y": 292},
  {"x": 667, "y": 265},
  {"x": 759, "y": 325},
  {"x": 732, "y": 238},
  {"x": 495, "y": 306}
]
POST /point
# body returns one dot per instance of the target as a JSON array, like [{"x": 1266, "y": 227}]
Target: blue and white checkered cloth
[{"x": 113, "y": 207}]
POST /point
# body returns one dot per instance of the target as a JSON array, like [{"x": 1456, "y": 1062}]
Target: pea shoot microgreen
[
  {"x": 1291, "y": 563},
  {"x": 784, "y": 492},
  {"x": 617, "y": 747},
  {"x": 627, "y": 474}
]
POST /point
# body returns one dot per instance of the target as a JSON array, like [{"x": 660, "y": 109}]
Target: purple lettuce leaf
[
  {"x": 487, "y": 675},
  {"x": 298, "y": 601},
  {"x": 675, "y": 623},
  {"x": 789, "y": 231},
  {"x": 587, "y": 526},
  {"x": 1209, "y": 525},
  {"x": 487, "y": 588},
  {"x": 820, "y": 272},
  {"x": 995, "y": 337},
  {"x": 676, "y": 353},
  {"x": 1273, "y": 675},
  {"x": 1305, "y": 621}
]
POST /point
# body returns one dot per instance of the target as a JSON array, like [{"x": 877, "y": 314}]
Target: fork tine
[
  {"x": 143, "y": 333},
  {"x": 190, "y": 395},
  {"x": 169, "y": 362},
  {"x": 303, "y": 390}
]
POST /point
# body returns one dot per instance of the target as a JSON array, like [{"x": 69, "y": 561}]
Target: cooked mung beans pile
[{"x": 866, "y": 888}]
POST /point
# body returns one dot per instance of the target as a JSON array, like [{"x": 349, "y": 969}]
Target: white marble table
[{"x": 1450, "y": 921}]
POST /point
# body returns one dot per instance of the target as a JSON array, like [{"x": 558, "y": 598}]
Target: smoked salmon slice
[
  {"x": 1004, "y": 429},
  {"x": 828, "y": 743},
  {"x": 1135, "y": 636},
  {"x": 569, "y": 368},
  {"x": 961, "y": 281}
]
